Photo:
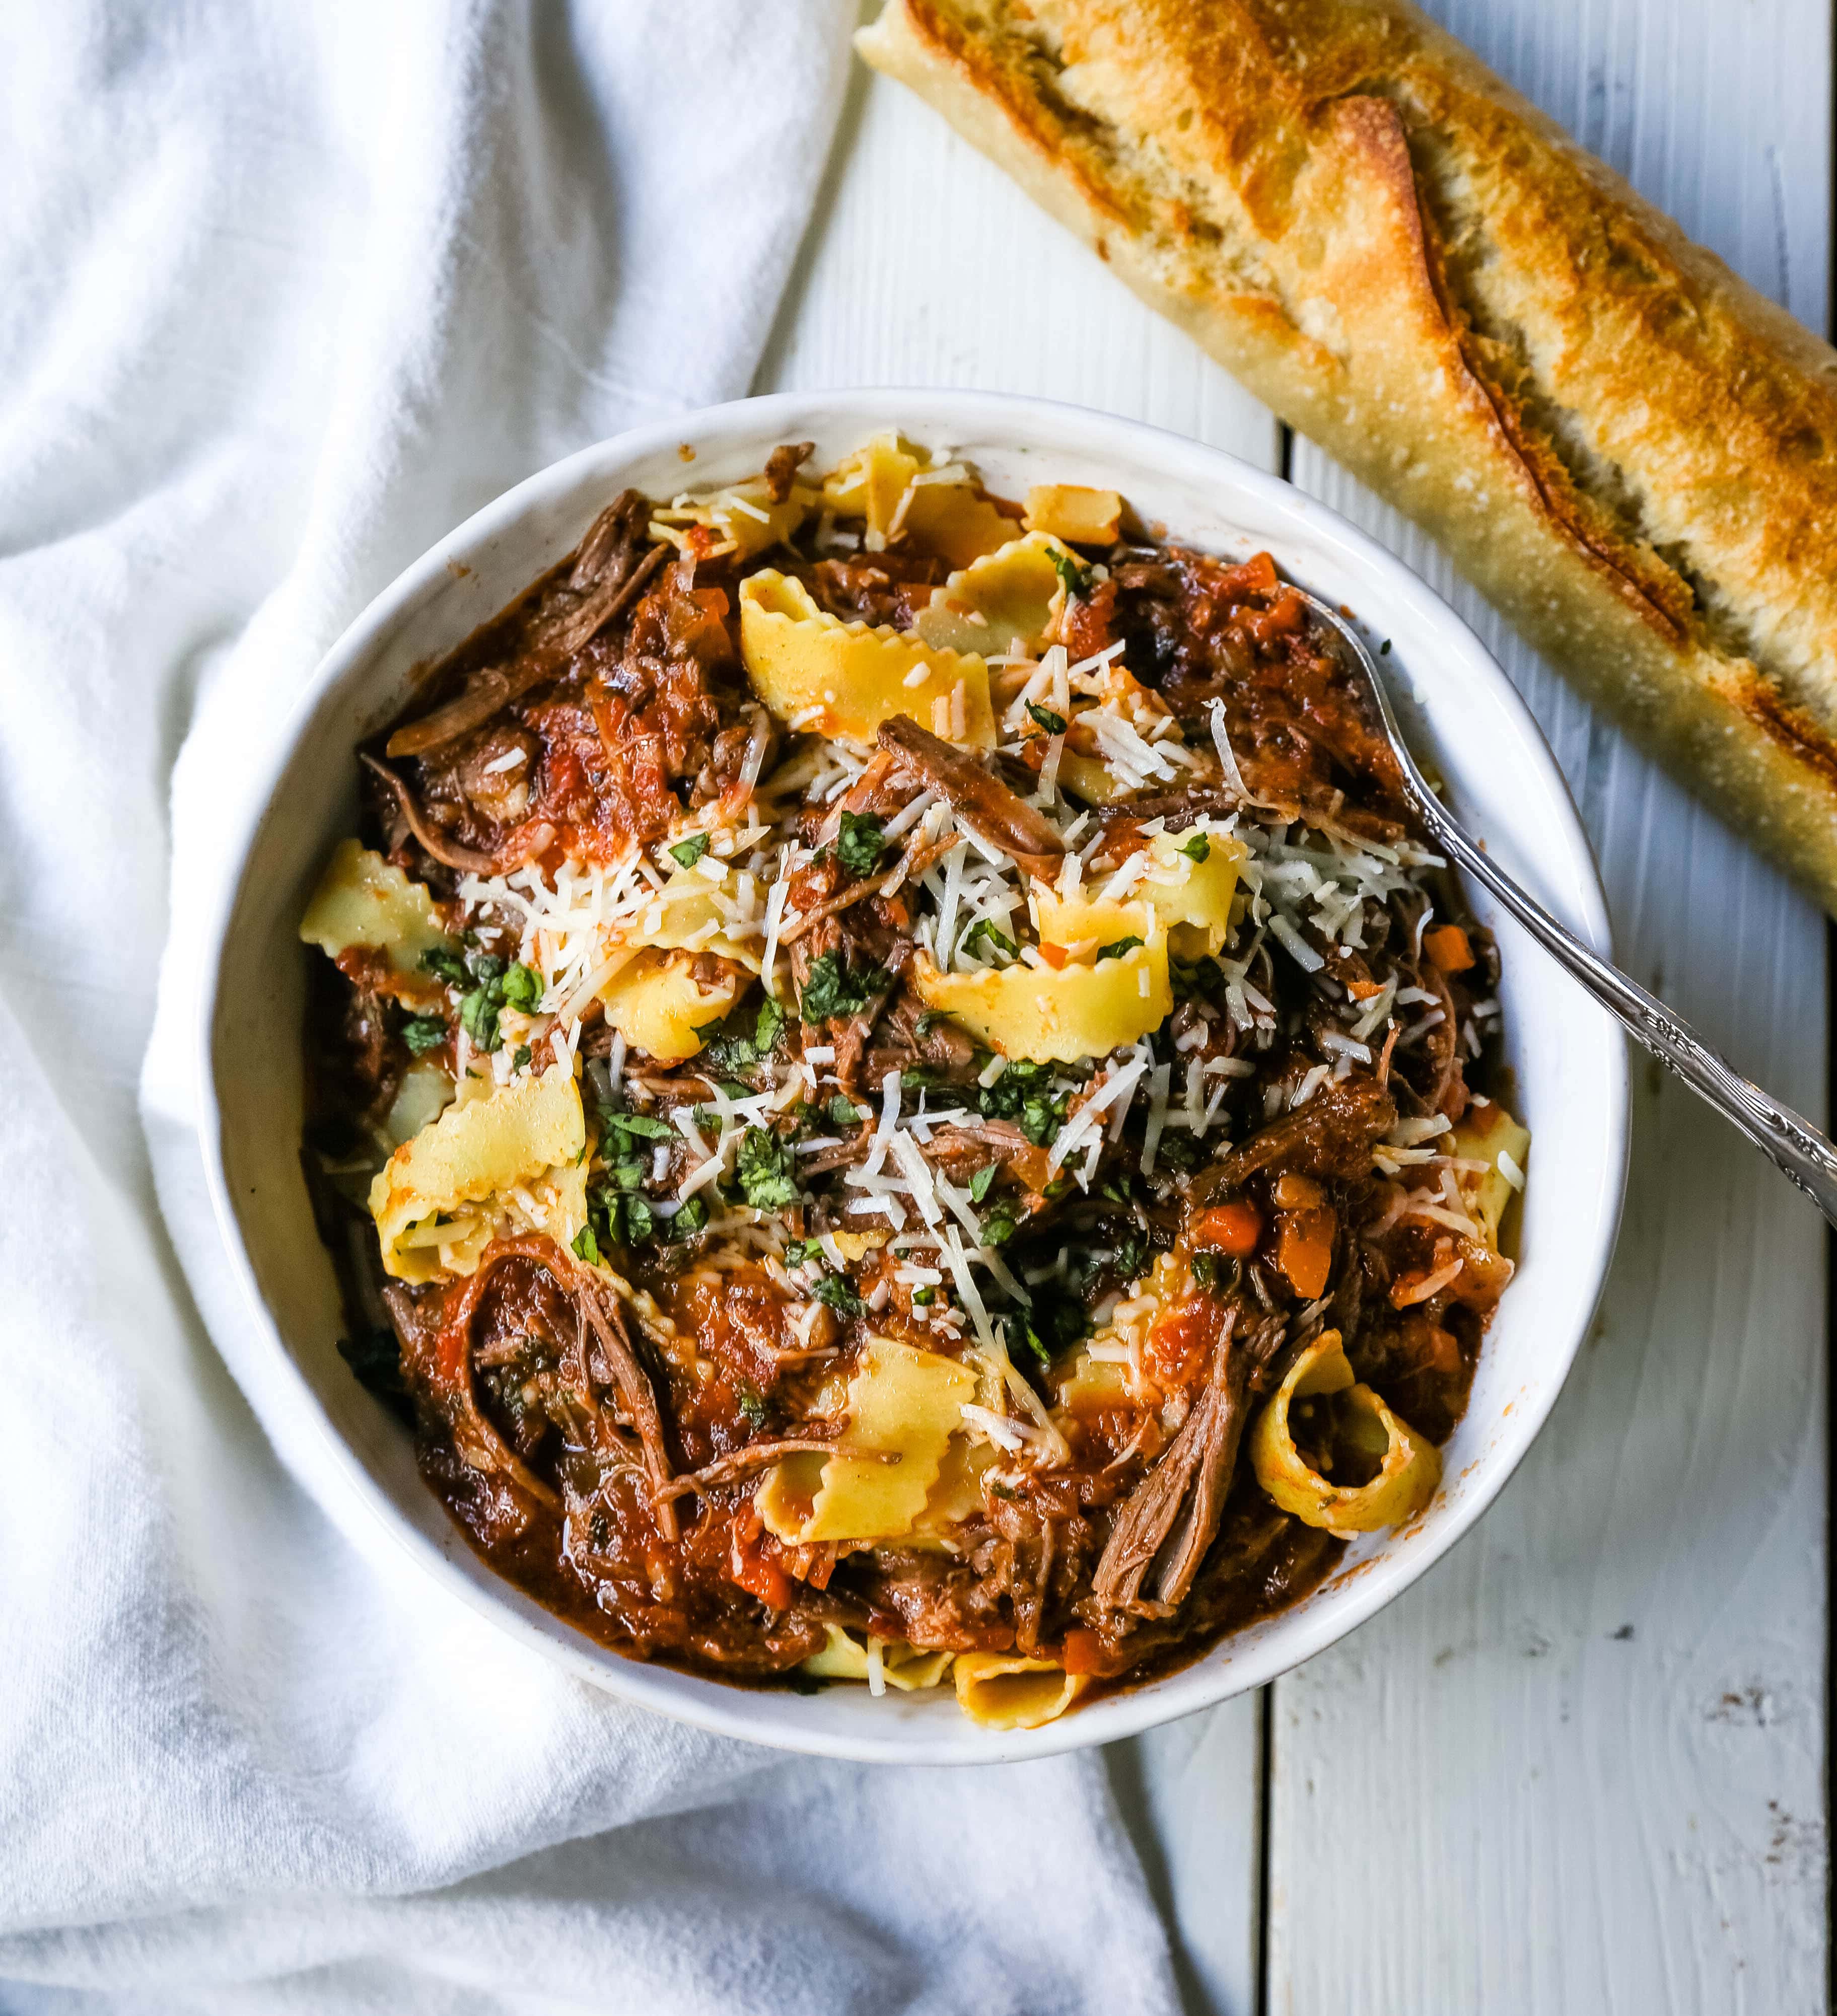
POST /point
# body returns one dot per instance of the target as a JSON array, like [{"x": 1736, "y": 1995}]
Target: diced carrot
[
  {"x": 1233, "y": 1229},
  {"x": 759, "y": 1577},
  {"x": 1447, "y": 947},
  {"x": 1054, "y": 956},
  {"x": 1363, "y": 990},
  {"x": 1304, "y": 1251},
  {"x": 1083, "y": 1652}
]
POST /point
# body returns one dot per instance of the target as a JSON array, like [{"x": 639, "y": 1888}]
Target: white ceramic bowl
[{"x": 1569, "y": 1060}]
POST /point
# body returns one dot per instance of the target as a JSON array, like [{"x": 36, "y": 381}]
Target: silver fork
[{"x": 1790, "y": 1141}]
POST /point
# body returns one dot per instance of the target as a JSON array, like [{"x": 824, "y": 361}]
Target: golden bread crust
[{"x": 1628, "y": 450}]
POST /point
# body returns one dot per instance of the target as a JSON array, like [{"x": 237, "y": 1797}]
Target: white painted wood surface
[{"x": 1581, "y": 1766}]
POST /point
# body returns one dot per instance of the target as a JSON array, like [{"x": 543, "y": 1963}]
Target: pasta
[
  {"x": 1002, "y": 1691},
  {"x": 1409, "y": 1469},
  {"x": 514, "y": 1153},
  {"x": 843, "y": 678},
  {"x": 858, "y": 1075}
]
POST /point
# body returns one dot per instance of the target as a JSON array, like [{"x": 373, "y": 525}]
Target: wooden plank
[
  {"x": 1581, "y": 1766},
  {"x": 926, "y": 266}
]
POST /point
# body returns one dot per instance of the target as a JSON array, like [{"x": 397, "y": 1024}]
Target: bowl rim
[{"x": 719, "y": 1707}]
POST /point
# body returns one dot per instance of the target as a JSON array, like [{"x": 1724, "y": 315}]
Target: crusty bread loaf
[{"x": 1628, "y": 450}]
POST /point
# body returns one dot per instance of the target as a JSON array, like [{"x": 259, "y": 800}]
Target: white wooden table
[{"x": 1581, "y": 1766}]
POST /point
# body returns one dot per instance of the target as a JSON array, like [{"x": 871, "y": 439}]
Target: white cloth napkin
[{"x": 286, "y": 291}]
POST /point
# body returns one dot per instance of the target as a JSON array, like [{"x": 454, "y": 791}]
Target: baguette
[{"x": 1628, "y": 451}]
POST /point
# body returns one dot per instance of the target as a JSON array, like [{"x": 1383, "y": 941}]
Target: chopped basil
[
  {"x": 1024, "y": 1093},
  {"x": 753, "y": 1409},
  {"x": 447, "y": 965},
  {"x": 861, "y": 843},
  {"x": 523, "y": 988},
  {"x": 1072, "y": 572},
  {"x": 524, "y": 1054},
  {"x": 1117, "y": 950},
  {"x": 1196, "y": 846},
  {"x": 641, "y": 1124},
  {"x": 923, "y": 1299},
  {"x": 637, "y": 1221},
  {"x": 586, "y": 1247},
  {"x": 763, "y": 1167},
  {"x": 478, "y": 1017},
  {"x": 686, "y": 853},
  {"x": 726, "y": 1048},
  {"x": 843, "y": 1112},
  {"x": 832, "y": 990},
  {"x": 690, "y": 1218},
  {"x": 838, "y": 1292},
  {"x": 1053, "y": 724},
  {"x": 422, "y": 1033},
  {"x": 798, "y": 1251},
  {"x": 1205, "y": 1270},
  {"x": 981, "y": 1181}
]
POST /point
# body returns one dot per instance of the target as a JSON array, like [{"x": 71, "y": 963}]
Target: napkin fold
[{"x": 285, "y": 292}]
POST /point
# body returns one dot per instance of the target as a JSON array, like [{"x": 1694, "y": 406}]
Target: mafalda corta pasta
[{"x": 896, "y": 1097}]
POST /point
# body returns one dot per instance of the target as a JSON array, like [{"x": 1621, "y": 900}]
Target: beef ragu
[{"x": 895, "y": 1096}]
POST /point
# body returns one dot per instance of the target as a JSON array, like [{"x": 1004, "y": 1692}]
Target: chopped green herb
[
  {"x": 768, "y": 1028},
  {"x": 422, "y": 1033},
  {"x": 752, "y": 1407},
  {"x": 486, "y": 968},
  {"x": 1116, "y": 950},
  {"x": 447, "y": 965},
  {"x": 478, "y": 1017},
  {"x": 1131, "y": 1255},
  {"x": 686, "y": 853},
  {"x": 690, "y": 1218},
  {"x": 922, "y": 1298},
  {"x": 1024, "y": 1093},
  {"x": 832, "y": 990},
  {"x": 861, "y": 843},
  {"x": 1383, "y": 650},
  {"x": 1205, "y": 1270},
  {"x": 637, "y": 1221},
  {"x": 524, "y": 1054},
  {"x": 1053, "y": 724},
  {"x": 843, "y": 1112},
  {"x": 586, "y": 1247},
  {"x": 523, "y": 988},
  {"x": 982, "y": 931},
  {"x": 981, "y": 1181},
  {"x": 927, "y": 1022},
  {"x": 1057, "y": 1186},
  {"x": 763, "y": 1167},
  {"x": 1021, "y": 1336},
  {"x": 643, "y": 1126},
  {"x": 838, "y": 1292},
  {"x": 998, "y": 1228},
  {"x": 1071, "y": 571},
  {"x": 1196, "y": 846},
  {"x": 798, "y": 1251}
]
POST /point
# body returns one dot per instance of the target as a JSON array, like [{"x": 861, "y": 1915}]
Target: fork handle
[{"x": 1796, "y": 1147}]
